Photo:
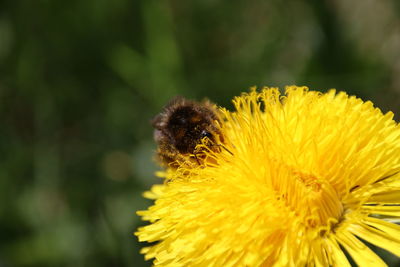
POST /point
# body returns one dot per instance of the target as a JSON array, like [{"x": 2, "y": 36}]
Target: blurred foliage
[{"x": 80, "y": 81}]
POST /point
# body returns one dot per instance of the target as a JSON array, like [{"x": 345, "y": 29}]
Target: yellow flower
[{"x": 310, "y": 175}]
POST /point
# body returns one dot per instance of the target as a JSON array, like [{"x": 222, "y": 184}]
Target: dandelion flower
[{"x": 309, "y": 176}]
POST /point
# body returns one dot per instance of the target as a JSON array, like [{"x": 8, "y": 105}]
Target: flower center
[
  {"x": 313, "y": 200},
  {"x": 319, "y": 202}
]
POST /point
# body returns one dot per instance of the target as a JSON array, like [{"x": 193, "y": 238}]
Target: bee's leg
[
  {"x": 194, "y": 154},
  {"x": 224, "y": 147},
  {"x": 219, "y": 147}
]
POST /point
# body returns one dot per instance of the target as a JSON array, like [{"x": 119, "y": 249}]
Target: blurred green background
[{"x": 80, "y": 81}]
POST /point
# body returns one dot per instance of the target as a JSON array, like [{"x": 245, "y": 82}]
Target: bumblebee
[{"x": 182, "y": 126}]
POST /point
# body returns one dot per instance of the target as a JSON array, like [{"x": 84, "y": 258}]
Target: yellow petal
[
  {"x": 392, "y": 211},
  {"x": 361, "y": 254},
  {"x": 336, "y": 253},
  {"x": 376, "y": 237},
  {"x": 391, "y": 229}
]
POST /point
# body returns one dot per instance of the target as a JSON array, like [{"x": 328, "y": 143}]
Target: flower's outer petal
[
  {"x": 361, "y": 254},
  {"x": 155, "y": 192},
  {"x": 390, "y": 211},
  {"x": 319, "y": 254},
  {"x": 336, "y": 253},
  {"x": 391, "y": 229},
  {"x": 377, "y": 237},
  {"x": 388, "y": 197}
]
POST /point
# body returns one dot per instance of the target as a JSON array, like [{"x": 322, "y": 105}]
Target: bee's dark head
[{"x": 206, "y": 133}]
